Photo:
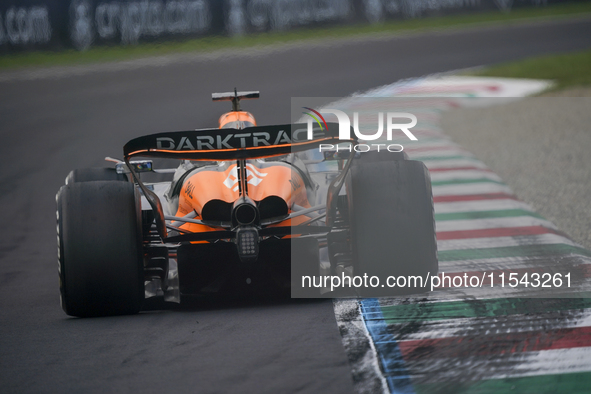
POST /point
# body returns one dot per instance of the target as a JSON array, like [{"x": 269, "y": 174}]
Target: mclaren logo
[
  {"x": 253, "y": 175},
  {"x": 225, "y": 141}
]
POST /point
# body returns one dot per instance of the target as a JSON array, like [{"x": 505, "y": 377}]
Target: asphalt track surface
[{"x": 51, "y": 126}]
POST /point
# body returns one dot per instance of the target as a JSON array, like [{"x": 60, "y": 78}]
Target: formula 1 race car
[{"x": 246, "y": 203}]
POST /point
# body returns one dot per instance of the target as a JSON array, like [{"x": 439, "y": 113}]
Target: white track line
[
  {"x": 545, "y": 362},
  {"x": 497, "y": 325},
  {"x": 470, "y": 189},
  {"x": 500, "y": 242},
  {"x": 463, "y": 174},
  {"x": 481, "y": 205},
  {"x": 475, "y": 224}
]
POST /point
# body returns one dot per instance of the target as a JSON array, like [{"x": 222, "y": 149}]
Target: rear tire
[
  {"x": 375, "y": 156},
  {"x": 94, "y": 174},
  {"x": 100, "y": 249},
  {"x": 392, "y": 222}
]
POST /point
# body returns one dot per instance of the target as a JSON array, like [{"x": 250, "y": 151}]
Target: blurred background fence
[{"x": 58, "y": 24}]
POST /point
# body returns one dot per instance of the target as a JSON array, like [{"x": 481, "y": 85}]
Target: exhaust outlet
[{"x": 245, "y": 212}]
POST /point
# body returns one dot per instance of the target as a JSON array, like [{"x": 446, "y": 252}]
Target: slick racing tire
[
  {"x": 94, "y": 174},
  {"x": 374, "y": 156},
  {"x": 100, "y": 249},
  {"x": 392, "y": 223}
]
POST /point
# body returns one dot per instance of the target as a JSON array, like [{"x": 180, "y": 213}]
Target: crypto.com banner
[{"x": 34, "y": 24}]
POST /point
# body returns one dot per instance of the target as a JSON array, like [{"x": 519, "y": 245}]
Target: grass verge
[
  {"x": 207, "y": 44},
  {"x": 567, "y": 70}
]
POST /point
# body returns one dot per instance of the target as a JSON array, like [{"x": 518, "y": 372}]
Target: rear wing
[{"x": 233, "y": 144}]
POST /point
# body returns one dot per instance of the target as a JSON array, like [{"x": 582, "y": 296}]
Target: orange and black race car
[{"x": 246, "y": 205}]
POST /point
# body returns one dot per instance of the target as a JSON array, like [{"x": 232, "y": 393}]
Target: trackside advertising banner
[
  {"x": 32, "y": 24},
  {"x": 81, "y": 24}
]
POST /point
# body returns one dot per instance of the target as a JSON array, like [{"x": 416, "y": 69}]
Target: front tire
[{"x": 100, "y": 249}]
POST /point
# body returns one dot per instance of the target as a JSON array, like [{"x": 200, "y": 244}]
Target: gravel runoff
[{"x": 541, "y": 147}]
